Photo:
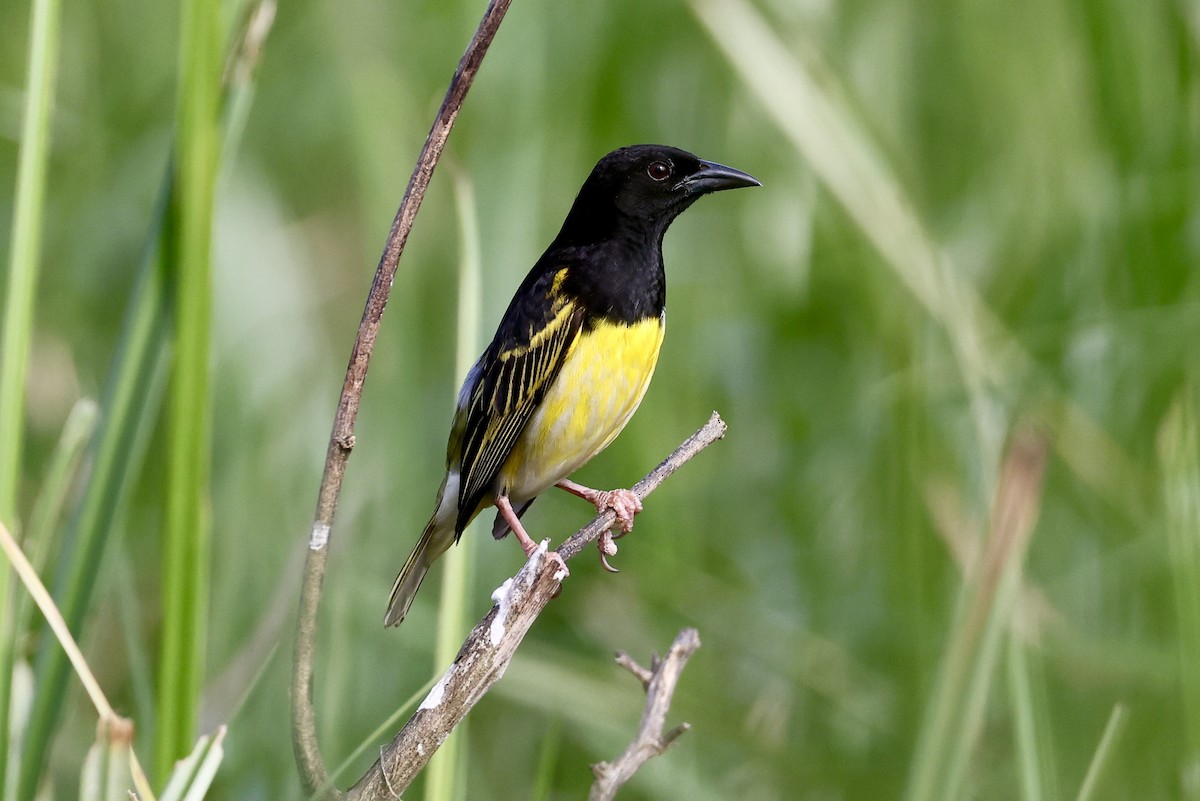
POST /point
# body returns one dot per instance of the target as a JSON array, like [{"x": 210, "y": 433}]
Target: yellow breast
[{"x": 602, "y": 381}]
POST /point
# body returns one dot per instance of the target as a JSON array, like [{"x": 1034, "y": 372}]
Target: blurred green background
[{"x": 973, "y": 216}]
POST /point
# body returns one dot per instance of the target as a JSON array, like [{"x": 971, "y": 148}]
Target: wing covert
[{"x": 516, "y": 371}]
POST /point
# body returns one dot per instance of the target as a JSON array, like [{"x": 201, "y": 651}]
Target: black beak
[{"x": 713, "y": 177}]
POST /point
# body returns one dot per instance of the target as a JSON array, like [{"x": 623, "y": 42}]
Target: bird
[{"x": 572, "y": 356}]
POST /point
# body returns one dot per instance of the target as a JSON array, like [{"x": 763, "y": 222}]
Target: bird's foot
[
  {"x": 530, "y": 548},
  {"x": 561, "y": 572},
  {"x": 526, "y": 542},
  {"x": 624, "y": 503}
]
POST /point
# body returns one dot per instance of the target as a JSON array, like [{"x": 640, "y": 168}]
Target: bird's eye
[{"x": 659, "y": 170}]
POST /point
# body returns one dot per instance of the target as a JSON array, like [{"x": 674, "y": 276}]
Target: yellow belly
[{"x": 603, "y": 378}]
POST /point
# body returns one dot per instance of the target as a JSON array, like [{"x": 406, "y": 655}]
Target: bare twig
[
  {"x": 640, "y": 673},
  {"x": 659, "y": 682},
  {"x": 490, "y": 646},
  {"x": 313, "y": 774}
]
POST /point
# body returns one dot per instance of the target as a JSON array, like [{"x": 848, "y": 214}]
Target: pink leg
[
  {"x": 527, "y": 543},
  {"x": 624, "y": 502},
  {"x": 514, "y": 522}
]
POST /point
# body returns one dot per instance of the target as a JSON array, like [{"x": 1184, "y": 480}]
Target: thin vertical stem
[
  {"x": 185, "y": 582},
  {"x": 26, "y": 246},
  {"x": 24, "y": 263},
  {"x": 313, "y": 774},
  {"x": 1179, "y": 449}
]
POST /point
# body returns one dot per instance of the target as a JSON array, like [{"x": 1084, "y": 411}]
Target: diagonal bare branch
[{"x": 491, "y": 645}]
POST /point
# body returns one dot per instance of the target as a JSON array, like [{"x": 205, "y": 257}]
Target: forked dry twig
[{"x": 650, "y": 741}]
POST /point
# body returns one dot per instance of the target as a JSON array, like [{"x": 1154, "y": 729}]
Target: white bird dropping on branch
[
  {"x": 500, "y": 599},
  {"x": 500, "y": 594},
  {"x": 435, "y": 694}
]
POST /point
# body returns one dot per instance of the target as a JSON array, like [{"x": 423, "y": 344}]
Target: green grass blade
[
  {"x": 448, "y": 764},
  {"x": 258, "y": 17},
  {"x": 26, "y": 246},
  {"x": 133, "y": 399},
  {"x": 186, "y": 536},
  {"x": 193, "y": 774},
  {"x": 56, "y": 482},
  {"x": 24, "y": 266},
  {"x": 1179, "y": 446},
  {"x": 130, "y": 409},
  {"x": 1029, "y": 769},
  {"x": 47, "y": 508},
  {"x": 1100, "y": 759}
]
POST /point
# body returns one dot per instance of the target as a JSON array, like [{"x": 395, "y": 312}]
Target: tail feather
[
  {"x": 500, "y": 526},
  {"x": 435, "y": 540}
]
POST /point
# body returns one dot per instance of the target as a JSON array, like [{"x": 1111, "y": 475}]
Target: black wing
[{"x": 514, "y": 373}]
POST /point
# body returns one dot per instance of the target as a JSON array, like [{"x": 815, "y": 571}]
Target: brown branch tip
[{"x": 650, "y": 741}]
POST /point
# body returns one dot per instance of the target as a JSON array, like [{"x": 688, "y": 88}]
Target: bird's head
[{"x": 646, "y": 186}]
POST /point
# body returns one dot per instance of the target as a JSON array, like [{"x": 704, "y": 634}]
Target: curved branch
[
  {"x": 313, "y": 774},
  {"x": 491, "y": 645}
]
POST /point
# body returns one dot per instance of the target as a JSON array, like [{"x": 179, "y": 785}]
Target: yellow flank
[{"x": 602, "y": 381}]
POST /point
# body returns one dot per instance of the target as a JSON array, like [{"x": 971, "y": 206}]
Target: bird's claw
[
  {"x": 607, "y": 548},
  {"x": 558, "y": 560},
  {"x": 624, "y": 504}
]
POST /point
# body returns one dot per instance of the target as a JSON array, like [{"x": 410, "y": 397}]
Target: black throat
[{"x": 619, "y": 279}]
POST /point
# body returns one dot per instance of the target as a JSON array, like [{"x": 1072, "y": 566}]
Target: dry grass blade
[
  {"x": 113, "y": 727},
  {"x": 955, "y": 713},
  {"x": 55, "y": 619}
]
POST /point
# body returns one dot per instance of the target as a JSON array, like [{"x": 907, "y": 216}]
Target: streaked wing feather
[{"x": 519, "y": 366}]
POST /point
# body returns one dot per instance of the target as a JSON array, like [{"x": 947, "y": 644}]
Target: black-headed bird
[{"x": 571, "y": 358}]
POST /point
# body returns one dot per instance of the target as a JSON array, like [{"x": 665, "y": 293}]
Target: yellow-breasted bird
[{"x": 571, "y": 358}]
